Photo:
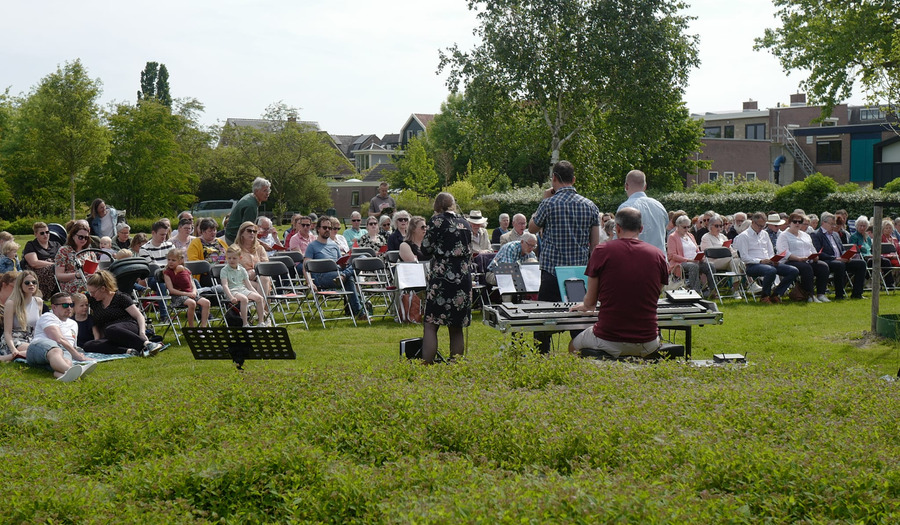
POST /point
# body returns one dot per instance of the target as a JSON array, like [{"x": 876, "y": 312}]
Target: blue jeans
[
  {"x": 163, "y": 310},
  {"x": 768, "y": 272},
  {"x": 325, "y": 281}
]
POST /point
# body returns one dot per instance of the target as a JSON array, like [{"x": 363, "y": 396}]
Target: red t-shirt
[
  {"x": 632, "y": 273},
  {"x": 180, "y": 281}
]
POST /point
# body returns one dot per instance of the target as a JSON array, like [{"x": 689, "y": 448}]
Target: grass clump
[{"x": 347, "y": 433}]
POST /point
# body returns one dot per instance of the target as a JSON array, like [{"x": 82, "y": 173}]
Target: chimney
[
  {"x": 751, "y": 105},
  {"x": 798, "y": 100}
]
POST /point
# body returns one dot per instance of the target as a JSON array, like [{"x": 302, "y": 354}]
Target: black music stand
[{"x": 239, "y": 344}]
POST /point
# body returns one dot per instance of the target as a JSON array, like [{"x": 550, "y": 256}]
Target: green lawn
[{"x": 348, "y": 433}]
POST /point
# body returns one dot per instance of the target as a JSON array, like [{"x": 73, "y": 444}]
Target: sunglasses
[
  {"x": 371, "y": 224},
  {"x": 30, "y": 283},
  {"x": 402, "y": 219},
  {"x": 796, "y": 222},
  {"x": 65, "y": 305},
  {"x": 82, "y": 237},
  {"x": 305, "y": 224},
  {"x": 332, "y": 228},
  {"x": 716, "y": 224},
  {"x": 254, "y": 232},
  {"x": 355, "y": 220},
  {"x": 44, "y": 233}
]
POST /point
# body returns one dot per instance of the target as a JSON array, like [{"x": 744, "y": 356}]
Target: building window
[
  {"x": 871, "y": 114},
  {"x": 729, "y": 132},
  {"x": 354, "y": 199},
  {"x": 713, "y": 176},
  {"x": 828, "y": 152},
  {"x": 362, "y": 162},
  {"x": 755, "y": 132},
  {"x": 712, "y": 132},
  {"x": 751, "y": 175},
  {"x": 410, "y": 134},
  {"x": 728, "y": 176},
  {"x": 829, "y": 122}
]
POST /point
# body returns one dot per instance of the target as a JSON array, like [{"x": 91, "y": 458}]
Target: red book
[
  {"x": 342, "y": 262},
  {"x": 814, "y": 256},
  {"x": 727, "y": 244},
  {"x": 847, "y": 255},
  {"x": 778, "y": 257},
  {"x": 278, "y": 247},
  {"x": 699, "y": 257},
  {"x": 382, "y": 249}
]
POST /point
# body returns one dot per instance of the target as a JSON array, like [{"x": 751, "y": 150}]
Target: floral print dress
[{"x": 448, "y": 299}]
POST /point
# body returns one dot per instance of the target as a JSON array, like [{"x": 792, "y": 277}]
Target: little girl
[
  {"x": 236, "y": 284},
  {"x": 180, "y": 284},
  {"x": 83, "y": 318}
]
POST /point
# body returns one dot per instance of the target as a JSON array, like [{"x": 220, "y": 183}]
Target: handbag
[{"x": 410, "y": 308}]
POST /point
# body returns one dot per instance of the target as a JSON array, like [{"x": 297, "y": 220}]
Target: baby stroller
[{"x": 127, "y": 272}]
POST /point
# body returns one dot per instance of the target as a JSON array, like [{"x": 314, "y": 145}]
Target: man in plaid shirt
[{"x": 571, "y": 229}]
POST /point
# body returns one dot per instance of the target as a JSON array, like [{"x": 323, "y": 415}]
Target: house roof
[
  {"x": 422, "y": 118},
  {"x": 377, "y": 173}
]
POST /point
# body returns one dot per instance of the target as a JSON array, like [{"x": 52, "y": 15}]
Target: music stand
[{"x": 239, "y": 344}]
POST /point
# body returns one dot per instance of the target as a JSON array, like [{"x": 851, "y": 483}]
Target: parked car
[{"x": 213, "y": 209}]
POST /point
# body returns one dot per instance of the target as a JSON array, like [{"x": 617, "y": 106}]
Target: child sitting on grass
[
  {"x": 83, "y": 319},
  {"x": 8, "y": 260},
  {"x": 180, "y": 284},
  {"x": 236, "y": 285}
]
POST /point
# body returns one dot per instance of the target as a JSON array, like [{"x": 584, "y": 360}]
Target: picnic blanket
[{"x": 91, "y": 356}]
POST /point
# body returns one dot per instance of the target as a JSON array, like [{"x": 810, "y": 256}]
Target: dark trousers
[
  {"x": 857, "y": 271},
  {"x": 118, "y": 338},
  {"x": 809, "y": 270},
  {"x": 549, "y": 291}
]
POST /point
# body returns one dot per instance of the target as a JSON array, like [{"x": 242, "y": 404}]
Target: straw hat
[
  {"x": 775, "y": 219},
  {"x": 476, "y": 218}
]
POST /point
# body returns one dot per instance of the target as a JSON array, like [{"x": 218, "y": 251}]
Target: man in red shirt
[{"x": 625, "y": 275}]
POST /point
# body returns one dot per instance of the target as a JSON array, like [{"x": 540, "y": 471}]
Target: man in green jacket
[{"x": 247, "y": 208}]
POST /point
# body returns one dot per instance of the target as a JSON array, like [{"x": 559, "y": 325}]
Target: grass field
[{"x": 348, "y": 433}]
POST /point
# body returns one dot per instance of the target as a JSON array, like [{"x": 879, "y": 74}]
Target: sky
[{"x": 353, "y": 66}]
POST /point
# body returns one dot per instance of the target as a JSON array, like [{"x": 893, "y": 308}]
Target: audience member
[
  {"x": 862, "y": 238},
  {"x": 302, "y": 237},
  {"x": 797, "y": 247},
  {"x": 411, "y": 247},
  {"x": 238, "y": 289},
  {"x": 266, "y": 235},
  {"x": 183, "y": 235},
  {"x": 481, "y": 242},
  {"x": 252, "y": 253},
  {"x": 681, "y": 249},
  {"x": 324, "y": 248},
  {"x": 9, "y": 260},
  {"x": 337, "y": 238},
  {"x": 103, "y": 219},
  {"x": 39, "y": 256},
  {"x": 755, "y": 247},
  {"x": 519, "y": 223},
  {"x": 247, "y": 208},
  {"x": 653, "y": 214},
  {"x": 355, "y": 230},
  {"x": 373, "y": 238},
  {"x": 67, "y": 261},
  {"x": 501, "y": 229},
  {"x": 180, "y": 284},
  {"x": 119, "y": 326},
  {"x": 716, "y": 239},
  {"x": 82, "y": 316},
  {"x": 55, "y": 335},
  {"x": 401, "y": 228},
  {"x": 829, "y": 244},
  {"x": 21, "y": 311},
  {"x": 382, "y": 201},
  {"x": 773, "y": 226}
]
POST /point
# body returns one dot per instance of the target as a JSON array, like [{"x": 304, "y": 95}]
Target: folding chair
[
  {"x": 284, "y": 292},
  {"x": 727, "y": 277},
  {"x": 324, "y": 298},
  {"x": 374, "y": 285},
  {"x": 210, "y": 289},
  {"x": 392, "y": 256},
  {"x": 156, "y": 302},
  {"x": 360, "y": 249}
]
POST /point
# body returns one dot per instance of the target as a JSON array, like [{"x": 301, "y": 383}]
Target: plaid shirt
[
  {"x": 511, "y": 252},
  {"x": 566, "y": 218}
]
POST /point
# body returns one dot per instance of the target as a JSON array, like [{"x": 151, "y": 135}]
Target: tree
[
  {"x": 415, "y": 170},
  {"x": 155, "y": 84},
  {"x": 147, "y": 171},
  {"x": 56, "y": 139},
  {"x": 567, "y": 58},
  {"x": 839, "y": 42},
  {"x": 292, "y": 156}
]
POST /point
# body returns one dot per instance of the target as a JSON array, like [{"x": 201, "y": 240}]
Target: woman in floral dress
[{"x": 448, "y": 300}]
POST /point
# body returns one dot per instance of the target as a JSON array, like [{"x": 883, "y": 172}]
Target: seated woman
[
  {"x": 337, "y": 238},
  {"x": 715, "y": 238},
  {"x": 20, "y": 314},
  {"x": 39, "y": 255},
  {"x": 122, "y": 240},
  {"x": 119, "y": 327},
  {"x": 79, "y": 238},
  {"x": 252, "y": 252},
  {"x": 862, "y": 238},
  {"x": 401, "y": 227},
  {"x": 182, "y": 238},
  {"x": 797, "y": 246},
  {"x": 682, "y": 250},
  {"x": 888, "y": 237},
  {"x": 411, "y": 247},
  {"x": 373, "y": 237}
]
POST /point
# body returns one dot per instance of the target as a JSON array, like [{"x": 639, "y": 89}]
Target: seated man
[
  {"x": 826, "y": 240},
  {"x": 54, "y": 341},
  {"x": 302, "y": 237},
  {"x": 517, "y": 251},
  {"x": 481, "y": 241},
  {"x": 519, "y": 222},
  {"x": 626, "y": 276},
  {"x": 324, "y": 248},
  {"x": 755, "y": 247},
  {"x": 267, "y": 235}
]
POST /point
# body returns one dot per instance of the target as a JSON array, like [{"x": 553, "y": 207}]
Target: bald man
[{"x": 653, "y": 214}]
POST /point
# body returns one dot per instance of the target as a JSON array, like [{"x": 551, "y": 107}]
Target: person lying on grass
[{"x": 54, "y": 341}]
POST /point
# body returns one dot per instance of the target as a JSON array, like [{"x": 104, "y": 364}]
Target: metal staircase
[{"x": 806, "y": 165}]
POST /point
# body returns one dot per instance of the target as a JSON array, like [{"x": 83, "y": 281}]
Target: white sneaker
[
  {"x": 813, "y": 299},
  {"x": 73, "y": 373},
  {"x": 737, "y": 295},
  {"x": 264, "y": 324},
  {"x": 87, "y": 368},
  {"x": 755, "y": 288},
  {"x": 151, "y": 348},
  {"x": 823, "y": 299}
]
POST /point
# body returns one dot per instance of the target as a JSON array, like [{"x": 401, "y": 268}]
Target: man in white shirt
[
  {"x": 155, "y": 251},
  {"x": 54, "y": 339},
  {"x": 755, "y": 248}
]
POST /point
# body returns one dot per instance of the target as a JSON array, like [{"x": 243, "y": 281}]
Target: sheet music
[
  {"x": 531, "y": 276},
  {"x": 505, "y": 283},
  {"x": 410, "y": 275}
]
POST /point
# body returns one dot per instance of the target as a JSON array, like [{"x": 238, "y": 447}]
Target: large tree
[
  {"x": 566, "y": 59},
  {"x": 294, "y": 157},
  {"x": 56, "y": 138},
  {"x": 147, "y": 171},
  {"x": 155, "y": 84},
  {"x": 839, "y": 42},
  {"x": 415, "y": 170}
]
